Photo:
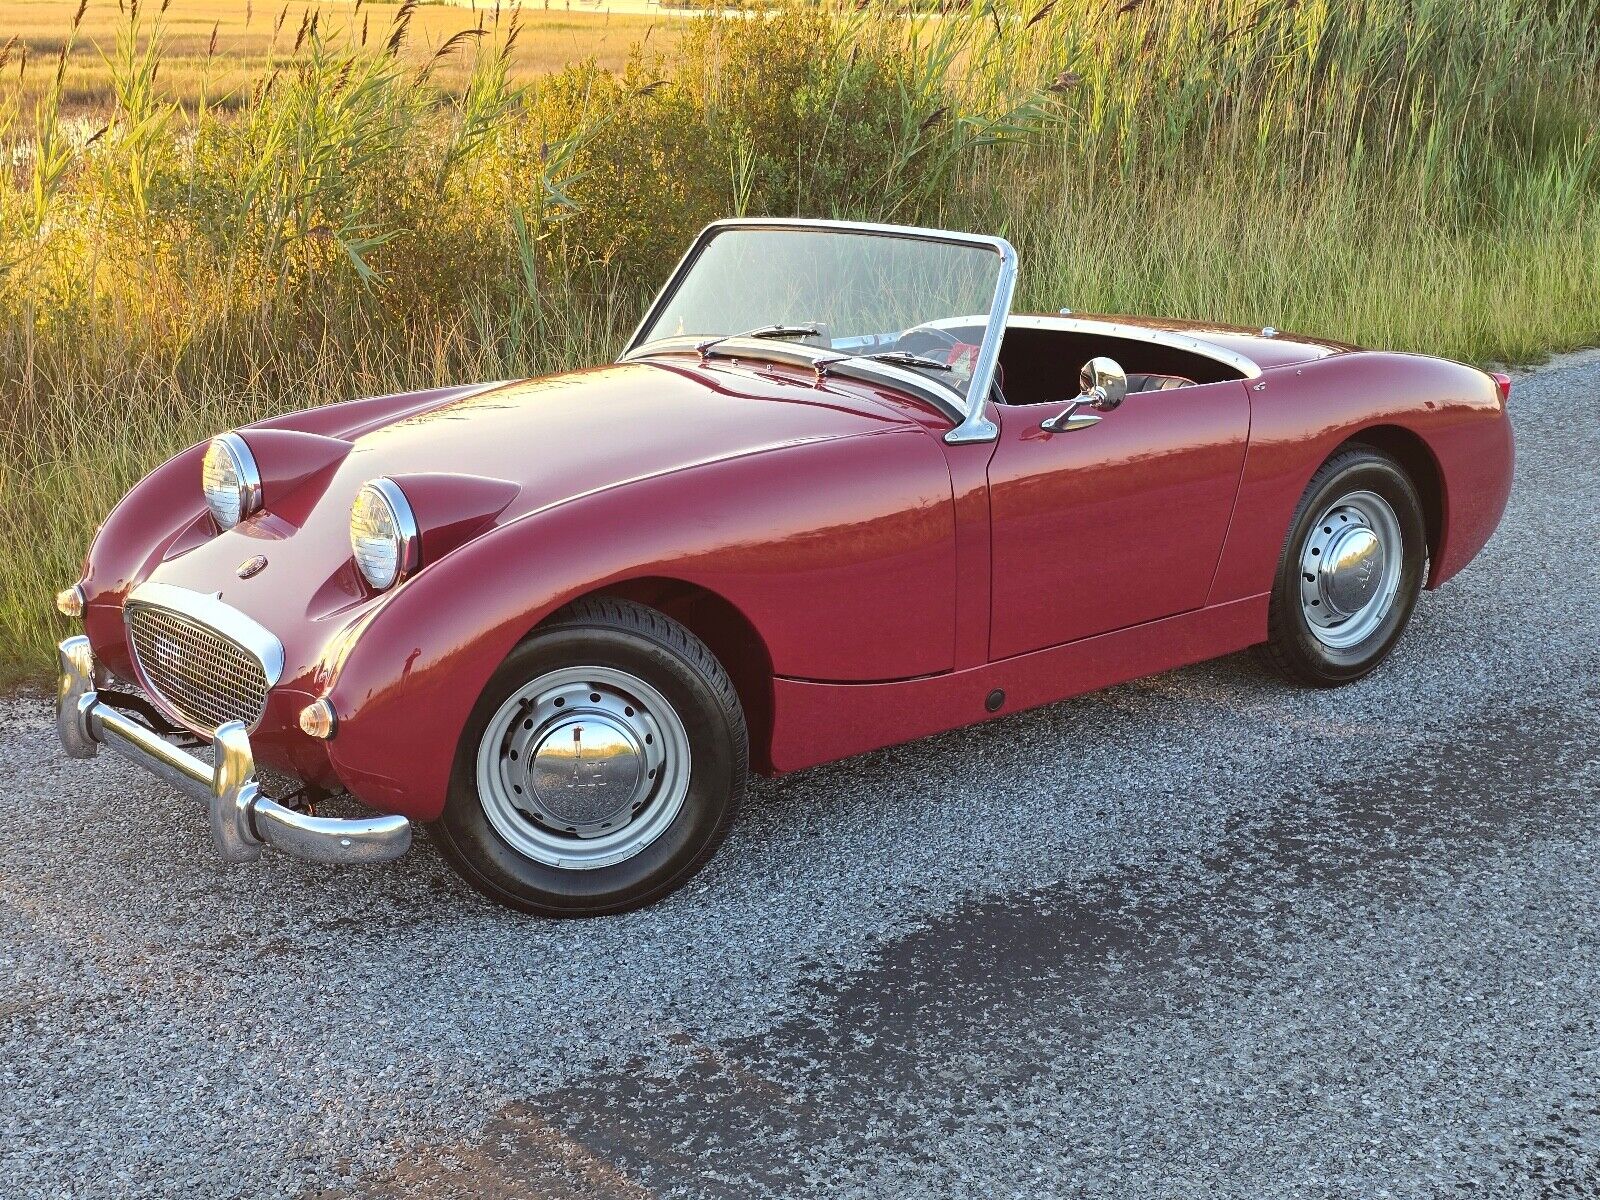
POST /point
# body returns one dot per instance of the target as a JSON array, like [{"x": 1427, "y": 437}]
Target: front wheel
[
  {"x": 1350, "y": 571},
  {"x": 601, "y": 767}
]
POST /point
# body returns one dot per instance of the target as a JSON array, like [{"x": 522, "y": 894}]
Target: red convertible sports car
[{"x": 833, "y": 496}]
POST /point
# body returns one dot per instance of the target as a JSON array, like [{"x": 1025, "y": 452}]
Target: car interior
[{"x": 1040, "y": 366}]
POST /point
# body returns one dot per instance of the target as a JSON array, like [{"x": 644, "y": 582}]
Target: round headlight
[
  {"x": 383, "y": 533},
  {"x": 229, "y": 478}
]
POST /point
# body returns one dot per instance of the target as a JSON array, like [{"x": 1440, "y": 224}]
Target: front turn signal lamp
[
  {"x": 70, "y": 601},
  {"x": 317, "y": 719}
]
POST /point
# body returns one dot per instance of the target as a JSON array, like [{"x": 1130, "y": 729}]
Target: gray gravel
[{"x": 1200, "y": 935}]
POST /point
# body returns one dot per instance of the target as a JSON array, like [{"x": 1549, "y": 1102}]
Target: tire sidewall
[
  {"x": 489, "y": 861},
  {"x": 1353, "y": 472}
]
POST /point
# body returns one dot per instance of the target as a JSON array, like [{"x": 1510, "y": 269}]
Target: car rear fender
[{"x": 1301, "y": 414}]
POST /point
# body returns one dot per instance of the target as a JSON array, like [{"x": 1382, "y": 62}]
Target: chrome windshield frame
[{"x": 972, "y": 420}]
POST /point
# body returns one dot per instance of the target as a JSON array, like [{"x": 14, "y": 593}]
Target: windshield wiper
[
  {"x": 904, "y": 358},
  {"x": 898, "y": 358},
  {"x": 761, "y": 331}
]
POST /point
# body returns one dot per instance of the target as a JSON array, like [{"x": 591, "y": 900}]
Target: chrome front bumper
[{"x": 243, "y": 820}]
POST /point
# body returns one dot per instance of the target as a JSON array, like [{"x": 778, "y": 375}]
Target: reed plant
[{"x": 359, "y": 218}]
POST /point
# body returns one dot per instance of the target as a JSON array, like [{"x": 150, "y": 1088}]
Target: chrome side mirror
[{"x": 1101, "y": 385}]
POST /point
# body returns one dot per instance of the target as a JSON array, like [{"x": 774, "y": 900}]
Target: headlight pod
[
  {"x": 383, "y": 533},
  {"x": 230, "y": 480}
]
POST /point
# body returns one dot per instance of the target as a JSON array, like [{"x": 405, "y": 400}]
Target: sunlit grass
[
  {"x": 217, "y": 49},
  {"x": 1423, "y": 175}
]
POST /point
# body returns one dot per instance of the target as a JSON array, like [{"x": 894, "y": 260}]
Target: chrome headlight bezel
[
  {"x": 393, "y": 531},
  {"x": 235, "y": 492}
]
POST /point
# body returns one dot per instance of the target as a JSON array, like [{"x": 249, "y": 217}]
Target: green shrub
[
  {"x": 796, "y": 112},
  {"x": 644, "y": 174}
]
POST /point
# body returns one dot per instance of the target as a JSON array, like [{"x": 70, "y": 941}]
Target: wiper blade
[
  {"x": 904, "y": 358},
  {"x": 761, "y": 331},
  {"x": 898, "y": 358}
]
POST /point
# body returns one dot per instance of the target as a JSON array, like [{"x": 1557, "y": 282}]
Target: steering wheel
[
  {"x": 936, "y": 339},
  {"x": 932, "y": 338}
]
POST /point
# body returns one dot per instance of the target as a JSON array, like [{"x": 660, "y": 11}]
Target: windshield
[{"x": 911, "y": 301}]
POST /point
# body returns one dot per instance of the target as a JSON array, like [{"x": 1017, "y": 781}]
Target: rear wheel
[
  {"x": 1350, "y": 571},
  {"x": 601, "y": 767}
]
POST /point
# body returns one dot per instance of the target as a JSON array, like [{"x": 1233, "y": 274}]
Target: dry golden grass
[
  {"x": 1421, "y": 175},
  {"x": 216, "y": 49}
]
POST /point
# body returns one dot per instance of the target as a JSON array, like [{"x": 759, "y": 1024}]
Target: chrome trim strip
[
  {"x": 243, "y": 820},
  {"x": 208, "y": 609},
  {"x": 1140, "y": 333},
  {"x": 973, "y": 423},
  {"x": 977, "y": 427}
]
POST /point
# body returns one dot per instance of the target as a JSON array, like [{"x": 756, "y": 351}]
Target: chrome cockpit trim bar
[{"x": 1107, "y": 327}]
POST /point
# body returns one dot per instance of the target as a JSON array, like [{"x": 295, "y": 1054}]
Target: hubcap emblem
[
  {"x": 587, "y": 770},
  {"x": 1349, "y": 567}
]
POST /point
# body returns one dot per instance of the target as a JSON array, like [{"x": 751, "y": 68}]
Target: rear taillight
[{"x": 1503, "y": 382}]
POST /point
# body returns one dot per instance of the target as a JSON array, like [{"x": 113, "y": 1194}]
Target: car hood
[
  {"x": 564, "y": 435},
  {"x": 488, "y": 456}
]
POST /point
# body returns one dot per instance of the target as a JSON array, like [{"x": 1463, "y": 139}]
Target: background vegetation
[
  {"x": 220, "y": 48},
  {"x": 359, "y": 214}
]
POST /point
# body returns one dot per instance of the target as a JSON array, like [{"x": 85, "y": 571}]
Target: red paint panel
[
  {"x": 295, "y": 468},
  {"x": 969, "y": 476},
  {"x": 349, "y": 419},
  {"x": 816, "y": 723},
  {"x": 840, "y": 552},
  {"x": 1113, "y": 525},
  {"x": 839, "y": 544},
  {"x": 832, "y": 517},
  {"x": 1303, "y": 414},
  {"x": 1481, "y": 458},
  {"x": 453, "y": 509}
]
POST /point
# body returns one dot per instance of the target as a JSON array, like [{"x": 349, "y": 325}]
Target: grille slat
[{"x": 207, "y": 679}]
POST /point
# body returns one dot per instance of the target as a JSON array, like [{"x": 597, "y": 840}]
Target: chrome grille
[{"x": 207, "y": 679}]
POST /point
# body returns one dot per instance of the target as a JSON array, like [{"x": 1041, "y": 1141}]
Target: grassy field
[
  {"x": 361, "y": 217},
  {"x": 218, "y": 49}
]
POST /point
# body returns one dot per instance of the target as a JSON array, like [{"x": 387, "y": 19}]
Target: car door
[{"x": 1115, "y": 524}]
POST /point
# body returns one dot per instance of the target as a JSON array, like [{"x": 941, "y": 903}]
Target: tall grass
[{"x": 1423, "y": 174}]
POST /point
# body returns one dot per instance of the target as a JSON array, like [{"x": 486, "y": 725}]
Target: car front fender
[{"x": 839, "y": 552}]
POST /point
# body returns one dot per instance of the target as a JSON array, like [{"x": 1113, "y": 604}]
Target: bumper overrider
[{"x": 243, "y": 819}]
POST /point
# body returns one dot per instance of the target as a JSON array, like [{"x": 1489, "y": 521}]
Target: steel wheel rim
[
  {"x": 1350, "y": 567},
  {"x": 583, "y": 767}
]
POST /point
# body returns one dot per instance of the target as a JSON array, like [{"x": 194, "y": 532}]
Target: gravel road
[{"x": 1203, "y": 935}]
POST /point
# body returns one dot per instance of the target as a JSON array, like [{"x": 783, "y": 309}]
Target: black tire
[
  {"x": 1291, "y": 645},
  {"x": 627, "y": 637}
]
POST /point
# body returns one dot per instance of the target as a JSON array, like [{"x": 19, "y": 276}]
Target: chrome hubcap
[
  {"x": 1350, "y": 569},
  {"x": 583, "y": 767}
]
